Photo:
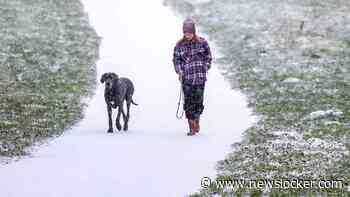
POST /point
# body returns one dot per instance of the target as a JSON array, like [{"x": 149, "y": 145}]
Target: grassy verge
[{"x": 47, "y": 62}]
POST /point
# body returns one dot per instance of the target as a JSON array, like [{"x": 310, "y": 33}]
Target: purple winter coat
[{"x": 192, "y": 60}]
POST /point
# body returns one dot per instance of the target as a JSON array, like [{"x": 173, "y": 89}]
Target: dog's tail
[{"x": 132, "y": 101}]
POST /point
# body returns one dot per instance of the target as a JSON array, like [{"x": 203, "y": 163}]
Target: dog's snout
[{"x": 109, "y": 84}]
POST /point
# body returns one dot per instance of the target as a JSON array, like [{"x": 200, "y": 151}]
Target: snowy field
[{"x": 154, "y": 158}]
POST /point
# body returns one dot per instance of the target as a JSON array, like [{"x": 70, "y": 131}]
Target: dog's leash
[{"x": 178, "y": 104}]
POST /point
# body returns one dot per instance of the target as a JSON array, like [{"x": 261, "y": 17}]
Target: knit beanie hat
[{"x": 189, "y": 26}]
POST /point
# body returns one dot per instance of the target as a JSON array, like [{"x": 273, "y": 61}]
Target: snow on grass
[
  {"x": 47, "y": 64},
  {"x": 323, "y": 114}
]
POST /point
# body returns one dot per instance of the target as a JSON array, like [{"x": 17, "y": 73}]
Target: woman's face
[{"x": 188, "y": 36}]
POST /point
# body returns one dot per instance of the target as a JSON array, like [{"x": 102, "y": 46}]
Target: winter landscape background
[{"x": 290, "y": 59}]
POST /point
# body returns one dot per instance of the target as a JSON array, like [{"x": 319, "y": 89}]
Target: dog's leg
[
  {"x": 125, "y": 119},
  {"x": 109, "y": 109},
  {"x": 128, "y": 104},
  {"x": 125, "y": 123},
  {"x": 117, "y": 121}
]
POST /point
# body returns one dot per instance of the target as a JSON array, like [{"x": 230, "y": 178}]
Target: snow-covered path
[{"x": 155, "y": 158}]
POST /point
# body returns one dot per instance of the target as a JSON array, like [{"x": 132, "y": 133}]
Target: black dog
[{"x": 116, "y": 91}]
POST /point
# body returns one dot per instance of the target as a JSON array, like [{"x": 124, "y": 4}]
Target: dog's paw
[
  {"x": 125, "y": 127},
  {"x": 119, "y": 127},
  {"x": 110, "y": 131}
]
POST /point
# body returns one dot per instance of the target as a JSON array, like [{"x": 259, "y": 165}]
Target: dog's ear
[
  {"x": 114, "y": 76},
  {"x": 103, "y": 78}
]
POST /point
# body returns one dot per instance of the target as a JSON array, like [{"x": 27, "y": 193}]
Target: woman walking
[{"x": 192, "y": 60}]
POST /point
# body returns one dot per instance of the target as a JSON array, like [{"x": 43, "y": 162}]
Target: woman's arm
[
  {"x": 178, "y": 64},
  {"x": 207, "y": 55}
]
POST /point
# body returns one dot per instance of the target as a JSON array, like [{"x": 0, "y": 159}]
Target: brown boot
[
  {"x": 196, "y": 125},
  {"x": 191, "y": 125}
]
